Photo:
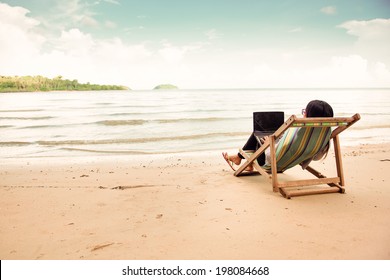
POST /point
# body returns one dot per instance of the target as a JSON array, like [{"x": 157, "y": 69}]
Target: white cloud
[
  {"x": 89, "y": 21},
  {"x": 18, "y": 40},
  {"x": 296, "y": 30},
  {"x": 69, "y": 14},
  {"x": 329, "y": 10},
  {"x": 375, "y": 29},
  {"x": 112, "y": 2},
  {"x": 115, "y": 2},
  {"x": 172, "y": 54},
  {"x": 373, "y": 38},
  {"x": 99, "y": 61},
  {"x": 131, "y": 29},
  {"x": 212, "y": 34},
  {"x": 16, "y": 16},
  {"x": 351, "y": 69},
  {"x": 175, "y": 54},
  {"x": 75, "y": 43},
  {"x": 116, "y": 52},
  {"x": 381, "y": 72},
  {"x": 108, "y": 1},
  {"x": 72, "y": 10},
  {"x": 110, "y": 24}
]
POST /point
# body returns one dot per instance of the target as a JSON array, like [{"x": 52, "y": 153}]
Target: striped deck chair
[
  {"x": 300, "y": 140},
  {"x": 298, "y": 145}
]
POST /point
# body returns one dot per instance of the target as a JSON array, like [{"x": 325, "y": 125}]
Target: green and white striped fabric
[{"x": 298, "y": 145}]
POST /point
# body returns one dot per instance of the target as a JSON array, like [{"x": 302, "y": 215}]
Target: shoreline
[
  {"x": 189, "y": 206},
  {"x": 139, "y": 157}
]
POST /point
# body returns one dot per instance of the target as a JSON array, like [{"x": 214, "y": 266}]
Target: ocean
[{"x": 82, "y": 124}]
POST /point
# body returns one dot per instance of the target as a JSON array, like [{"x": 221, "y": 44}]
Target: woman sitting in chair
[{"x": 296, "y": 146}]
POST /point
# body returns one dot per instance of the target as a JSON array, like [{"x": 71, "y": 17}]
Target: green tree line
[{"x": 39, "y": 83}]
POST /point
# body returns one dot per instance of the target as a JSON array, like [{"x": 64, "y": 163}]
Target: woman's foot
[
  {"x": 235, "y": 160},
  {"x": 229, "y": 161}
]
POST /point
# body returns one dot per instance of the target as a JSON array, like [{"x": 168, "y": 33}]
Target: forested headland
[
  {"x": 166, "y": 86},
  {"x": 39, "y": 83}
]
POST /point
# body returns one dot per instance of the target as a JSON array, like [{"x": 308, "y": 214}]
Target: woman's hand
[{"x": 263, "y": 139}]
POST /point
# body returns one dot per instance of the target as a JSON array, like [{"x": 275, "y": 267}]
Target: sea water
[{"x": 97, "y": 123}]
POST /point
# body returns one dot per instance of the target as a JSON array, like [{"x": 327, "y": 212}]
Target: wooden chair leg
[
  {"x": 339, "y": 162},
  {"x": 274, "y": 170}
]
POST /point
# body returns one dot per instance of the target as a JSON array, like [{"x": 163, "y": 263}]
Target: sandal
[{"x": 231, "y": 163}]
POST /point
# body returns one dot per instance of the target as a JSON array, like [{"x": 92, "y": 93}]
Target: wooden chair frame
[{"x": 290, "y": 188}]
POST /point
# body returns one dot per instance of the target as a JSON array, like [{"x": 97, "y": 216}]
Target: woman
[{"x": 314, "y": 109}]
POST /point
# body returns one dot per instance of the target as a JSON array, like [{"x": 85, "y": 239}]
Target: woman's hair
[{"x": 318, "y": 108}]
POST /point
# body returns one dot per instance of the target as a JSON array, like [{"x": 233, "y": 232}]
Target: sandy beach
[{"x": 189, "y": 206}]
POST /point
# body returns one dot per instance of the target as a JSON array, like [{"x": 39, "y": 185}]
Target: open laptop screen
[{"x": 266, "y": 123}]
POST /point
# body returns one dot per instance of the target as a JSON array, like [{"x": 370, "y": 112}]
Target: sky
[{"x": 199, "y": 44}]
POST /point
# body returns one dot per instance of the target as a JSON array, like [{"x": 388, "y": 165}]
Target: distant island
[
  {"x": 166, "y": 86},
  {"x": 39, "y": 83}
]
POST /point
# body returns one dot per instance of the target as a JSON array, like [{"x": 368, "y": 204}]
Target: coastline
[{"x": 189, "y": 206}]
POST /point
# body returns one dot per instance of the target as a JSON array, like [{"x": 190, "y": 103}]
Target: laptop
[{"x": 266, "y": 123}]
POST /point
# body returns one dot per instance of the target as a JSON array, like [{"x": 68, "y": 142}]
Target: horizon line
[{"x": 268, "y": 88}]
